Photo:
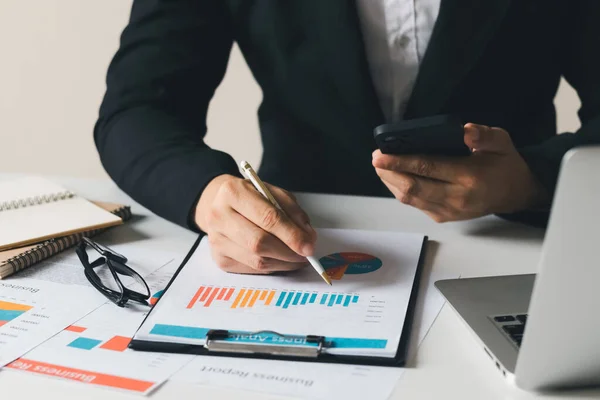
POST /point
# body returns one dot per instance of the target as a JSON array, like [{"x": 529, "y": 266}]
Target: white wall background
[{"x": 53, "y": 60}]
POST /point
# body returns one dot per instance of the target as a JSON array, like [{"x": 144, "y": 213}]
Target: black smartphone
[{"x": 438, "y": 135}]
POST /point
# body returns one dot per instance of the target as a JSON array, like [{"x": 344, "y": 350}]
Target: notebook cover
[{"x": 14, "y": 260}]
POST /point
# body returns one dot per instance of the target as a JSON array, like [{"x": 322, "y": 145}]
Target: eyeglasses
[{"x": 110, "y": 284}]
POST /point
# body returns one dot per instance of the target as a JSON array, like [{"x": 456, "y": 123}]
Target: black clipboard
[{"x": 310, "y": 353}]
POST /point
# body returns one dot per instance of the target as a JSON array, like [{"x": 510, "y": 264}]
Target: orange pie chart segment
[{"x": 339, "y": 264}]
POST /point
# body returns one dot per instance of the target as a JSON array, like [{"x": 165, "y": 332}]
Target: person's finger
[
  {"x": 447, "y": 169},
  {"x": 259, "y": 211},
  {"x": 484, "y": 138},
  {"x": 288, "y": 202},
  {"x": 254, "y": 239},
  {"x": 428, "y": 190},
  {"x": 408, "y": 198},
  {"x": 225, "y": 251},
  {"x": 228, "y": 264}
]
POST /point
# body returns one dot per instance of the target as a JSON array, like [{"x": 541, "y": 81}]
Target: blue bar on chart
[
  {"x": 280, "y": 299},
  {"x": 304, "y": 299},
  {"x": 347, "y": 300},
  {"x": 288, "y": 300},
  {"x": 84, "y": 343},
  {"x": 323, "y": 299},
  {"x": 331, "y": 300},
  {"x": 296, "y": 298}
]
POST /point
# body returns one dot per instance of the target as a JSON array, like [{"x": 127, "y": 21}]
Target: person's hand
[
  {"x": 493, "y": 179},
  {"x": 249, "y": 235}
]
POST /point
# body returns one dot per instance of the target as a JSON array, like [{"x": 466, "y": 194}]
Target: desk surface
[{"x": 448, "y": 365}]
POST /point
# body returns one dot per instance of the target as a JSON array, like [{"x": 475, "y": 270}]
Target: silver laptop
[{"x": 543, "y": 331}]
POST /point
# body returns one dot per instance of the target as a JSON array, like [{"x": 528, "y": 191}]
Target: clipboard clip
[{"x": 264, "y": 342}]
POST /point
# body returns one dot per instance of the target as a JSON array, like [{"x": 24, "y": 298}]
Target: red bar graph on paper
[
  {"x": 211, "y": 297},
  {"x": 117, "y": 343},
  {"x": 195, "y": 298}
]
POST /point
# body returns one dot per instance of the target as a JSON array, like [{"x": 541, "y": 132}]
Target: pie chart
[{"x": 339, "y": 264}]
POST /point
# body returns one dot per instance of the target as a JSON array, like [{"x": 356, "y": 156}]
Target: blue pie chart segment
[{"x": 340, "y": 264}]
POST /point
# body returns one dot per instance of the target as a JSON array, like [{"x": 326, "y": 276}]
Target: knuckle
[
  {"x": 259, "y": 263},
  {"x": 213, "y": 216},
  {"x": 271, "y": 217},
  {"x": 465, "y": 201},
  {"x": 411, "y": 187},
  {"x": 470, "y": 181},
  {"x": 258, "y": 243},
  {"x": 228, "y": 188},
  {"x": 424, "y": 168},
  {"x": 404, "y": 198},
  {"x": 440, "y": 219}
]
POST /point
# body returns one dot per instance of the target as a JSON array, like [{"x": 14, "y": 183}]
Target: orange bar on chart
[
  {"x": 228, "y": 295},
  {"x": 253, "y": 300},
  {"x": 238, "y": 298},
  {"x": 206, "y": 293},
  {"x": 3, "y": 322},
  {"x": 211, "y": 297},
  {"x": 263, "y": 295},
  {"x": 246, "y": 298},
  {"x": 75, "y": 328},
  {"x": 221, "y": 294},
  {"x": 117, "y": 343},
  {"x": 195, "y": 298},
  {"x": 7, "y": 306},
  {"x": 270, "y": 298}
]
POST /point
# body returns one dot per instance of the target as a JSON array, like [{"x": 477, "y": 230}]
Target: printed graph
[
  {"x": 155, "y": 297},
  {"x": 207, "y": 296},
  {"x": 115, "y": 343},
  {"x": 339, "y": 264},
  {"x": 10, "y": 311}
]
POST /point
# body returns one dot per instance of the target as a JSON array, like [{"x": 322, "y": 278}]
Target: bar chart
[
  {"x": 10, "y": 311},
  {"x": 235, "y": 298},
  {"x": 115, "y": 343}
]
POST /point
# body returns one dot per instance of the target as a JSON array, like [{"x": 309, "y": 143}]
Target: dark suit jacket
[{"x": 495, "y": 62}]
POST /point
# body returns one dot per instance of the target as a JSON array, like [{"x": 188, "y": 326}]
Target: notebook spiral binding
[{"x": 35, "y": 200}]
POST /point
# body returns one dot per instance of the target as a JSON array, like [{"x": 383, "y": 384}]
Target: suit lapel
[
  {"x": 461, "y": 33},
  {"x": 339, "y": 38}
]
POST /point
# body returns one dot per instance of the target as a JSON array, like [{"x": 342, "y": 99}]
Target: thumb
[{"x": 484, "y": 138}]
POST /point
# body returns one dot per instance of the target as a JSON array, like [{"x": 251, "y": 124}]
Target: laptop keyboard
[{"x": 513, "y": 325}]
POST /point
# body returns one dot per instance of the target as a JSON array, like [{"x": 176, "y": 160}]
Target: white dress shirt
[{"x": 396, "y": 34}]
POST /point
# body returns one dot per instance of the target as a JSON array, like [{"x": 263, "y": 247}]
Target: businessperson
[{"x": 330, "y": 71}]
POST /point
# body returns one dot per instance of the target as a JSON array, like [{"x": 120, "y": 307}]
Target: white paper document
[
  {"x": 316, "y": 381},
  {"x": 94, "y": 350},
  {"x": 363, "y": 312},
  {"x": 67, "y": 268},
  {"x": 32, "y": 311}
]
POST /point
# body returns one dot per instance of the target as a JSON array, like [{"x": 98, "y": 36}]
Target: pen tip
[{"x": 326, "y": 278}]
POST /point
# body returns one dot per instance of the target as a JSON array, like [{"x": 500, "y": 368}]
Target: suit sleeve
[
  {"x": 152, "y": 121},
  {"x": 581, "y": 68}
]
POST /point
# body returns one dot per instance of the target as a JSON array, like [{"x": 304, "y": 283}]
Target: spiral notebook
[
  {"x": 34, "y": 209},
  {"x": 20, "y": 258}
]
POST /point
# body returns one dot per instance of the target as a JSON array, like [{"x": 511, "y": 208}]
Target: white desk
[{"x": 448, "y": 365}]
